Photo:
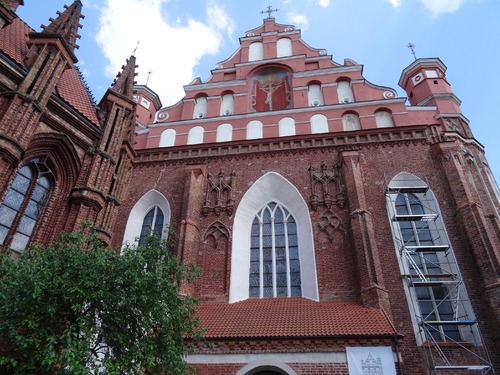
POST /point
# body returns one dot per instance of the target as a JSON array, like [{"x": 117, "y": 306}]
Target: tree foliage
[{"x": 78, "y": 308}]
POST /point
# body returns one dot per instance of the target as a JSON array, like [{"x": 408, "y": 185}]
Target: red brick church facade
[{"x": 340, "y": 230}]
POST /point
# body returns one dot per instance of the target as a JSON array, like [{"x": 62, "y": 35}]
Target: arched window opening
[
  {"x": 200, "y": 107},
  {"x": 284, "y": 47},
  {"x": 224, "y": 133},
  {"x": 152, "y": 225},
  {"x": 286, "y": 127},
  {"x": 350, "y": 122},
  {"x": 383, "y": 119},
  {"x": 167, "y": 138},
  {"x": 314, "y": 95},
  {"x": 344, "y": 92},
  {"x": 23, "y": 205},
  {"x": 256, "y": 51},
  {"x": 274, "y": 254},
  {"x": 195, "y": 135}
]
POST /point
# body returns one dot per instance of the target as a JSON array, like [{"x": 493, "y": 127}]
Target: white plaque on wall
[{"x": 370, "y": 360}]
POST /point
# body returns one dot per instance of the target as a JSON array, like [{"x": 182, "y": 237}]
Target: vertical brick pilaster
[
  {"x": 190, "y": 236},
  {"x": 373, "y": 291},
  {"x": 475, "y": 226}
]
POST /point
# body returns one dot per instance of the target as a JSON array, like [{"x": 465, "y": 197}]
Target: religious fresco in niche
[{"x": 271, "y": 90}]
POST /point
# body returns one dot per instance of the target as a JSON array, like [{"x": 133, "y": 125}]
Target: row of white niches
[
  {"x": 314, "y": 97},
  {"x": 286, "y": 127},
  {"x": 283, "y": 49}
]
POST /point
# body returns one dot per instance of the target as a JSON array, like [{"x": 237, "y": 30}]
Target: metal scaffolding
[{"x": 446, "y": 325}]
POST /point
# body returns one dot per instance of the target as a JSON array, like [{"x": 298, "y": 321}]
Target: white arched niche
[
  {"x": 383, "y": 119},
  {"x": 167, "y": 138},
  {"x": 284, "y": 47},
  {"x": 200, "y": 107},
  {"x": 319, "y": 124},
  {"x": 254, "y": 129},
  {"x": 227, "y": 105},
  {"x": 314, "y": 95},
  {"x": 271, "y": 187},
  {"x": 141, "y": 208},
  {"x": 256, "y": 51},
  {"x": 224, "y": 133},
  {"x": 286, "y": 126},
  {"x": 195, "y": 135}
]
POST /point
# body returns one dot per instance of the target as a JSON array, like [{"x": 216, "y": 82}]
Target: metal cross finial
[
  {"x": 269, "y": 11},
  {"x": 412, "y": 46},
  {"x": 149, "y": 72}
]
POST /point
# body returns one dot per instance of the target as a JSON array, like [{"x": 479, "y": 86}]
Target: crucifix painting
[{"x": 271, "y": 90}]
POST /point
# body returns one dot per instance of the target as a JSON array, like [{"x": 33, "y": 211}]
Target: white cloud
[
  {"x": 324, "y": 3},
  {"x": 171, "y": 50},
  {"x": 395, "y": 3},
  {"x": 300, "y": 20},
  {"x": 438, "y": 7}
]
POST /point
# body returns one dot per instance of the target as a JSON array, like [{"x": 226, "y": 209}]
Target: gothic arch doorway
[{"x": 266, "y": 367}]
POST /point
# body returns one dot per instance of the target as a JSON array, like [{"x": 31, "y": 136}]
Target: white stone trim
[
  {"x": 271, "y": 187},
  {"x": 141, "y": 208}
]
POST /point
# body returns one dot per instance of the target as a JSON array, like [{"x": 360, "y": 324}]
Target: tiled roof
[
  {"x": 71, "y": 89},
  {"x": 291, "y": 317},
  {"x": 13, "y": 42},
  {"x": 13, "y": 39}
]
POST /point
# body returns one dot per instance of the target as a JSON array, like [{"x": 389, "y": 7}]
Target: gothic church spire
[
  {"x": 124, "y": 82},
  {"x": 66, "y": 25}
]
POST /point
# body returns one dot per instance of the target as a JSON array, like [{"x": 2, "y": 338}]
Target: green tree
[{"x": 79, "y": 308}]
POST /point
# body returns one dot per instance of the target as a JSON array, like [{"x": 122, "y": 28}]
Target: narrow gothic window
[
  {"x": 152, "y": 225},
  {"x": 23, "y": 205},
  {"x": 274, "y": 254}
]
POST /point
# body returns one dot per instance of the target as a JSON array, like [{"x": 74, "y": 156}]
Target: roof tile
[{"x": 291, "y": 317}]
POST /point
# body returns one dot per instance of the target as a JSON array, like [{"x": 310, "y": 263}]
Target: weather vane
[
  {"x": 412, "y": 46},
  {"x": 269, "y": 11}
]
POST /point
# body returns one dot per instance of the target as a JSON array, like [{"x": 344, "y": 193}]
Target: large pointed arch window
[
  {"x": 152, "y": 225},
  {"x": 272, "y": 240},
  {"x": 23, "y": 205},
  {"x": 274, "y": 254}
]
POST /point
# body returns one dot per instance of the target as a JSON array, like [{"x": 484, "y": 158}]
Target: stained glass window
[
  {"x": 151, "y": 225},
  {"x": 23, "y": 205},
  {"x": 274, "y": 254}
]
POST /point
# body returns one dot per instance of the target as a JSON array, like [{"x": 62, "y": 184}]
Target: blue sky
[{"x": 180, "y": 40}]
